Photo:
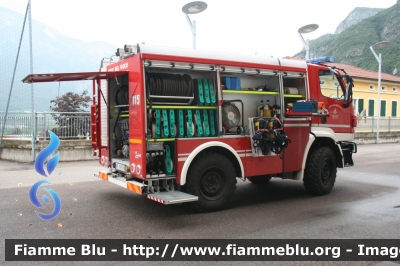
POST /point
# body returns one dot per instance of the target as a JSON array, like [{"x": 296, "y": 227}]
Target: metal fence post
[
  {"x": 36, "y": 125},
  {"x": 372, "y": 119},
  {"x": 44, "y": 125}
]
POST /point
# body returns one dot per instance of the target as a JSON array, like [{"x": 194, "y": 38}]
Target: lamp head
[
  {"x": 380, "y": 44},
  {"x": 194, "y": 7},
  {"x": 308, "y": 28}
]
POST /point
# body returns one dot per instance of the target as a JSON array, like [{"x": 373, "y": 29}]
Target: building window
[
  {"x": 361, "y": 107},
  {"x": 394, "y": 89},
  {"x": 394, "y": 108},
  {"x": 371, "y": 107},
  {"x": 358, "y": 105},
  {"x": 383, "y": 88},
  {"x": 371, "y": 87},
  {"x": 383, "y": 107}
]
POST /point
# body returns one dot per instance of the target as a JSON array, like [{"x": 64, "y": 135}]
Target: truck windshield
[{"x": 330, "y": 85}]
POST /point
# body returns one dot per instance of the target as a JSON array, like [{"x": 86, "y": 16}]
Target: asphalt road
[{"x": 365, "y": 203}]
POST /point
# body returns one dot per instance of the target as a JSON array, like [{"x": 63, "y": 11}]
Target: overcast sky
[{"x": 265, "y": 27}]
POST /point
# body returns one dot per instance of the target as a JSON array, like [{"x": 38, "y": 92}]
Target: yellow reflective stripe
[
  {"x": 135, "y": 141},
  {"x": 103, "y": 176},
  {"x": 134, "y": 188}
]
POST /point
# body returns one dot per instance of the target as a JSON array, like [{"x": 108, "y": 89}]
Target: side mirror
[{"x": 348, "y": 98}]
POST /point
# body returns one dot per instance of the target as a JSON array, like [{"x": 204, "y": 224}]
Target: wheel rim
[
  {"x": 212, "y": 184},
  {"x": 326, "y": 173}
]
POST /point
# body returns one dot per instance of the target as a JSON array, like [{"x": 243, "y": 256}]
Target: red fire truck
[{"x": 182, "y": 125}]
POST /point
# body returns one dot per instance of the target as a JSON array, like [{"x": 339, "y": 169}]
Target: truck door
[
  {"x": 330, "y": 89},
  {"x": 297, "y": 129}
]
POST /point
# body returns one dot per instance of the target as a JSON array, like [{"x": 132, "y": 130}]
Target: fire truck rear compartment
[
  {"x": 160, "y": 155},
  {"x": 172, "y": 112},
  {"x": 118, "y": 104}
]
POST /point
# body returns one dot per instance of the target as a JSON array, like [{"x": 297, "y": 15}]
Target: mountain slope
[
  {"x": 52, "y": 52},
  {"x": 351, "y": 46},
  {"x": 355, "y": 16}
]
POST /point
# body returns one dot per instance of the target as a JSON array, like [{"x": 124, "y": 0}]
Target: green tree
[
  {"x": 70, "y": 124},
  {"x": 71, "y": 102}
]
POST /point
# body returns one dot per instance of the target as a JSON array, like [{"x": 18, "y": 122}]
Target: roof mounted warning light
[{"x": 320, "y": 60}]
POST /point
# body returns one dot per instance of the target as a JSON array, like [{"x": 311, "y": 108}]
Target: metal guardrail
[
  {"x": 66, "y": 125},
  {"x": 369, "y": 124}
]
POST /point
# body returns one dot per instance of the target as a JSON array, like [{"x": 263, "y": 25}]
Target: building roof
[
  {"x": 361, "y": 73},
  {"x": 357, "y": 72}
]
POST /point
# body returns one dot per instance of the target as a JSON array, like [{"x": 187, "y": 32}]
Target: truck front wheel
[
  {"x": 212, "y": 178},
  {"x": 320, "y": 173}
]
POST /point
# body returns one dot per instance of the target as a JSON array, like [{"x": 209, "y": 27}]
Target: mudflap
[{"x": 348, "y": 148}]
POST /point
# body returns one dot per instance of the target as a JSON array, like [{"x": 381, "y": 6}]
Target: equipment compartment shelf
[
  {"x": 294, "y": 96},
  {"x": 263, "y": 93},
  {"x": 251, "y": 92},
  {"x": 180, "y": 107},
  {"x": 160, "y": 140},
  {"x": 305, "y": 114}
]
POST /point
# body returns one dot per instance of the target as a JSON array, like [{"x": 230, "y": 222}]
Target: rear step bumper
[
  {"x": 172, "y": 197},
  {"x": 166, "y": 198}
]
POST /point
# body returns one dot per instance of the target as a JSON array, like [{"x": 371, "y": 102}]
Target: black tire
[
  {"x": 259, "y": 180},
  {"x": 320, "y": 173},
  {"x": 212, "y": 178}
]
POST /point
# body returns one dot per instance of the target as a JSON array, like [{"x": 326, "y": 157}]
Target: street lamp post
[
  {"x": 307, "y": 29},
  {"x": 379, "y": 59},
  {"x": 193, "y": 8}
]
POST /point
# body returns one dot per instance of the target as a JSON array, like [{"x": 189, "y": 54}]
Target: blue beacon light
[{"x": 319, "y": 60}]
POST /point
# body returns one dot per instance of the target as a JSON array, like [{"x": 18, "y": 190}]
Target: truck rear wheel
[
  {"x": 212, "y": 178},
  {"x": 320, "y": 173}
]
